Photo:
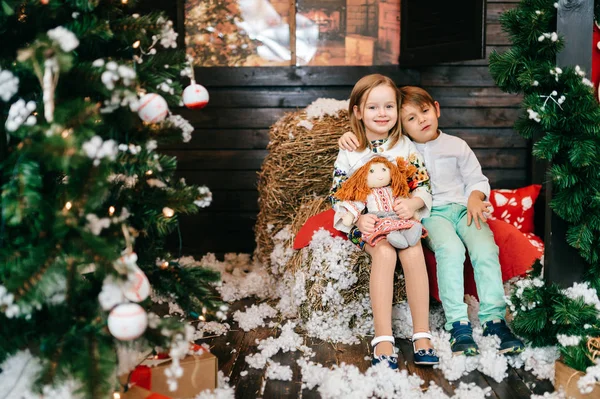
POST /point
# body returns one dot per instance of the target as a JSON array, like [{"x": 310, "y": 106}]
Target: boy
[{"x": 459, "y": 190}]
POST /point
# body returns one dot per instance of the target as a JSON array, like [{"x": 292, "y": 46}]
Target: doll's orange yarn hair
[{"x": 356, "y": 188}]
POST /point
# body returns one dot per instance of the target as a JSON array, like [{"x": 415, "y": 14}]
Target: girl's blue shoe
[
  {"x": 390, "y": 360},
  {"x": 424, "y": 357}
]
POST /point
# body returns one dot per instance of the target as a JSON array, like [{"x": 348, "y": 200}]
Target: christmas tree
[
  {"x": 213, "y": 36},
  {"x": 86, "y": 200},
  {"x": 560, "y": 108}
]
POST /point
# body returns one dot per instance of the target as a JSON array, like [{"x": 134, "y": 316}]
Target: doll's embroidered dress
[{"x": 379, "y": 202}]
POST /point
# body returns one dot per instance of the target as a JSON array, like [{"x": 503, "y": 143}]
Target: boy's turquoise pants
[{"x": 448, "y": 237}]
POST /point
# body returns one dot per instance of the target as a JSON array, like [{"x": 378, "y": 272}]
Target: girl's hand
[
  {"x": 348, "y": 142},
  {"x": 405, "y": 208},
  {"x": 366, "y": 223},
  {"x": 477, "y": 209}
]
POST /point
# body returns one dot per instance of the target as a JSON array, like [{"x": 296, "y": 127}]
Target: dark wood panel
[
  {"x": 507, "y": 178},
  {"x": 494, "y": 10},
  {"x": 234, "y": 201},
  {"x": 241, "y": 118},
  {"x": 299, "y": 76},
  {"x": 277, "y": 97},
  {"x": 248, "y": 98},
  {"x": 481, "y": 62},
  {"x": 224, "y": 160},
  {"x": 490, "y": 138},
  {"x": 478, "y": 117},
  {"x": 223, "y": 139},
  {"x": 221, "y": 180},
  {"x": 474, "y": 97},
  {"x": 456, "y": 76},
  {"x": 502, "y": 158},
  {"x": 220, "y": 232},
  {"x": 495, "y": 36}
]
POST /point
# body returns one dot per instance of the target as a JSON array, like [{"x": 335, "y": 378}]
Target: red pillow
[
  {"x": 517, "y": 255},
  {"x": 314, "y": 223},
  {"x": 516, "y": 206}
]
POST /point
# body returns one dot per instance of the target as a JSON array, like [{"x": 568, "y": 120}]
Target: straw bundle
[
  {"x": 298, "y": 168},
  {"x": 360, "y": 263}
]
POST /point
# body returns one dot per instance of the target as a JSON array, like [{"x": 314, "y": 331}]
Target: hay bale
[{"x": 302, "y": 150}]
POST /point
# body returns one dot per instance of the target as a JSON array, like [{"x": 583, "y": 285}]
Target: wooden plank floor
[{"x": 232, "y": 348}]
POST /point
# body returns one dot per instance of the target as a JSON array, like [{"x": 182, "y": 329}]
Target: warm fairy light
[
  {"x": 65, "y": 133},
  {"x": 116, "y": 395},
  {"x": 164, "y": 265},
  {"x": 168, "y": 212},
  {"x": 111, "y": 210},
  {"x": 68, "y": 205},
  {"x": 201, "y": 318},
  {"x": 123, "y": 1},
  {"x": 149, "y": 172},
  {"x": 136, "y": 44}
]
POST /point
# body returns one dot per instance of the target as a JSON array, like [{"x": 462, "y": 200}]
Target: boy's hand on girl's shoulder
[
  {"x": 366, "y": 223},
  {"x": 348, "y": 142},
  {"x": 477, "y": 210}
]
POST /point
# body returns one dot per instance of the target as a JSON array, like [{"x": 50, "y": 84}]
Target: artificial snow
[
  {"x": 254, "y": 316},
  {"x": 325, "y": 106}
]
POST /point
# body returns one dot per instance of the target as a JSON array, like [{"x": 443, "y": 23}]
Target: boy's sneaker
[
  {"x": 461, "y": 339},
  {"x": 509, "y": 343}
]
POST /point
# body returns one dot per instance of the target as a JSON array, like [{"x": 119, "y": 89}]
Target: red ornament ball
[
  {"x": 195, "y": 96},
  {"x": 153, "y": 108}
]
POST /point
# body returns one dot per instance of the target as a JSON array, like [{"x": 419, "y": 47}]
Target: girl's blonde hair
[
  {"x": 358, "y": 97},
  {"x": 356, "y": 188}
]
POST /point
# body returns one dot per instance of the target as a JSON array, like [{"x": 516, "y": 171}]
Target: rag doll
[{"x": 375, "y": 186}]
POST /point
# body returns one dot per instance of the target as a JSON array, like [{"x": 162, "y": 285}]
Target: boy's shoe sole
[
  {"x": 512, "y": 350},
  {"x": 467, "y": 352}
]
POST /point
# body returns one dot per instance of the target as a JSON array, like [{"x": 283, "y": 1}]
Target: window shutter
[{"x": 437, "y": 31}]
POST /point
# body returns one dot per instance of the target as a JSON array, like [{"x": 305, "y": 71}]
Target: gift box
[
  {"x": 567, "y": 377},
  {"x": 199, "y": 374},
  {"x": 136, "y": 392}
]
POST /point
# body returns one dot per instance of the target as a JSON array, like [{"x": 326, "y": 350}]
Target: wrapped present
[
  {"x": 566, "y": 378},
  {"x": 136, "y": 392},
  {"x": 199, "y": 374}
]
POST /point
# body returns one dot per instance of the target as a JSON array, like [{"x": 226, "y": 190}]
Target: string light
[
  {"x": 164, "y": 265},
  {"x": 111, "y": 210},
  {"x": 123, "y": 1},
  {"x": 136, "y": 44},
  {"x": 68, "y": 205},
  {"x": 168, "y": 212},
  {"x": 116, "y": 395},
  {"x": 65, "y": 133},
  {"x": 148, "y": 173}
]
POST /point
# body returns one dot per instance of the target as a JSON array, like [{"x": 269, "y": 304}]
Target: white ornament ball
[
  {"x": 127, "y": 321},
  {"x": 152, "y": 108},
  {"x": 137, "y": 287},
  {"x": 195, "y": 96}
]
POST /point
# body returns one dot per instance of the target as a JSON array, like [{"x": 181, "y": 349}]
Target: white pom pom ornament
[
  {"x": 127, "y": 321},
  {"x": 137, "y": 287},
  {"x": 195, "y": 96},
  {"x": 152, "y": 108}
]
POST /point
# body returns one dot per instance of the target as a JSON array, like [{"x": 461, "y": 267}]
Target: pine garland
[{"x": 559, "y": 108}]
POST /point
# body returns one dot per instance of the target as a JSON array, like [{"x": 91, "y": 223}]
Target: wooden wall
[{"x": 231, "y": 133}]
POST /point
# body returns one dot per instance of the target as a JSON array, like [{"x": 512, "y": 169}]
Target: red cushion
[
  {"x": 314, "y": 223},
  {"x": 517, "y": 255},
  {"x": 516, "y": 206}
]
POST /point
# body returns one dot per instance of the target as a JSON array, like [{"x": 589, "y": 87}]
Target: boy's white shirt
[
  {"x": 454, "y": 170},
  {"x": 350, "y": 162}
]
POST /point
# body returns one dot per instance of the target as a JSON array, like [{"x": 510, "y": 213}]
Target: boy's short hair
[{"x": 416, "y": 96}]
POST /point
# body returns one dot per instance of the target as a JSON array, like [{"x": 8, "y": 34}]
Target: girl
[{"x": 373, "y": 110}]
